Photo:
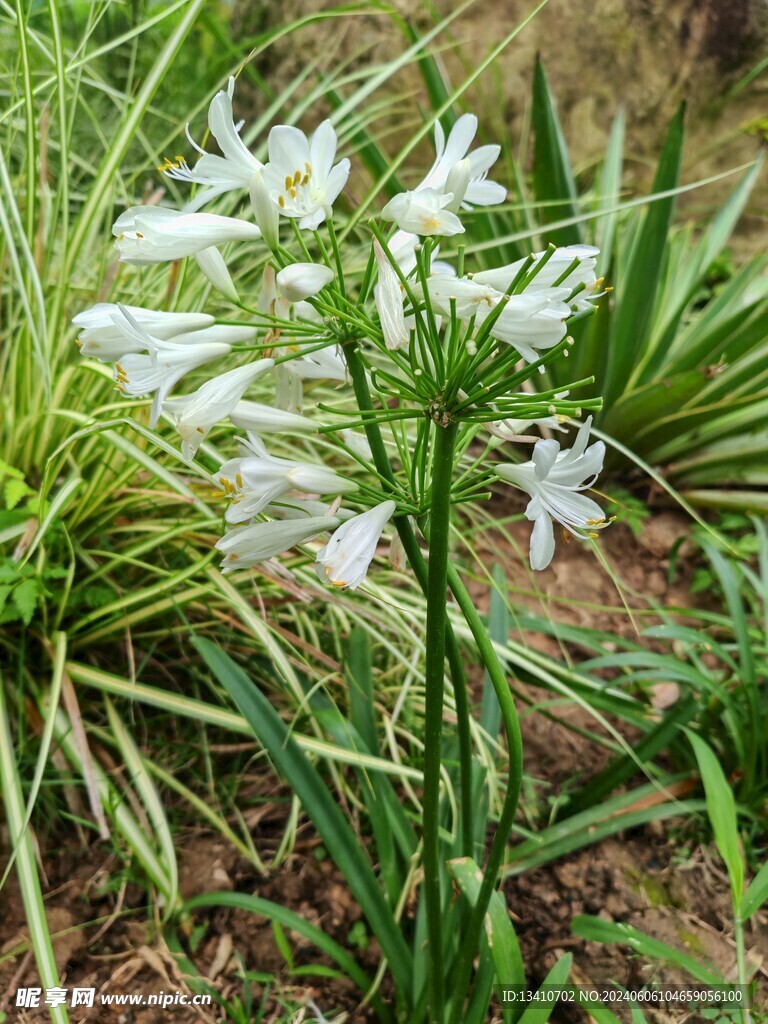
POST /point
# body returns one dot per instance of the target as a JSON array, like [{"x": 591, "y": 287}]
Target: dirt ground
[{"x": 104, "y": 939}]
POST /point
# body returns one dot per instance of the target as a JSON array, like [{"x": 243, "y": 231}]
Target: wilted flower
[
  {"x": 344, "y": 560},
  {"x": 246, "y": 546},
  {"x": 213, "y": 401},
  {"x": 553, "y": 479},
  {"x": 300, "y": 175}
]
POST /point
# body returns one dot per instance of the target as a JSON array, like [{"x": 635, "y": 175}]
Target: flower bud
[
  {"x": 265, "y": 212},
  {"x": 457, "y": 183},
  {"x": 303, "y": 280}
]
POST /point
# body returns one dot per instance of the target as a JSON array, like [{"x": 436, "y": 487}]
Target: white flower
[
  {"x": 154, "y": 234},
  {"x": 388, "y": 294},
  {"x": 246, "y": 546},
  {"x": 195, "y": 414},
  {"x": 553, "y": 479},
  {"x": 264, "y": 419},
  {"x": 218, "y": 174},
  {"x": 212, "y": 264},
  {"x": 102, "y": 337},
  {"x": 423, "y": 213},
  {"x": 515, "y": 430},
  {"x": 302, "y": 508},
  {"x": 326, "y": 363},
  {"x": 344, "y": 560},
  {"x": 256, "y": 479},
  {"x": 166, "y": 361},
  {"x": 300, "y": 281},
  {"x": 550, "y": 270},
  {"x": 478, "y": 191},
  {"x": 531, "y": 321},
  {"x": 137, "y": 374},
  {"x": 300, "y": 175},
  {"x": 265, "y": 212}
]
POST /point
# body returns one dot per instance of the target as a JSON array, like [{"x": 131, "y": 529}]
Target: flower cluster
[{"x": 440, "y": 346}]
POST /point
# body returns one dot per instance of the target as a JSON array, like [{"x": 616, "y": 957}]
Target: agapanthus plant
[{"x": 434, "y": 370}]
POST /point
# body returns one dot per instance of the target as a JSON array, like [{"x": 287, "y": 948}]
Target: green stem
[
  {"x": 463, "y": 965},
  {"x": 416, "y": 561},
  {"x": 434, "y": 677},
  {"x": 741, "y": 963}
]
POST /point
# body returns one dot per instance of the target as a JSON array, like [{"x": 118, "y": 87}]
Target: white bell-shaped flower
[
  {"x": 531, "y": 321},
  {"x": 344, "y": 560},
  {"x": 478, "y": 190},
  {"x": 552, "y": 270},
  {"x": 425, "y": 213},
  {"x": 256, "y": 479},
  {"x": 154, "y": 234},
  {"x": 213, "y": 401},
  {"x": 554, "y": 480},
  {"x": 102, "y": 337},
  {"x": 301, "y": 176},
  {"x": 246, "y": 546}
]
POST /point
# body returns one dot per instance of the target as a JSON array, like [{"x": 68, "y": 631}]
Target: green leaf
[
  {"x": 557, "y": 976},
  {"x": 502, "y": 940},
  {"x": 325, "y": 813},
  {"x": 721, "y": 808},
  {"x": 286, "y": 918},
  {"x": 596, "y": 930},
  {"x": 14, "y": 491},
  {"x": 553, "y": 180},
  {"x": 756, "y": 894},
  {"x": 25, "y": 597},
  {"x": 388, "y": 819},
  {"x": 643, "y": 272}
]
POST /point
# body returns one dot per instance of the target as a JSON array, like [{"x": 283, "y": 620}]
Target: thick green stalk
[
  {"x": 434, "y": 676},
  {"x": 419, "y": 566},
  {"x": 498, "y": 678}
]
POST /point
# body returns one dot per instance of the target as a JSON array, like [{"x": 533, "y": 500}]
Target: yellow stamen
[
  {"x": 297, "y": 178},
  {"x": 281, "y": 201},
  {"x": 288, "y": 181}
]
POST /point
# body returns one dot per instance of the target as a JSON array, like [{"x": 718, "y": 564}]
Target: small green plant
[{"x": 747, "y": 899}]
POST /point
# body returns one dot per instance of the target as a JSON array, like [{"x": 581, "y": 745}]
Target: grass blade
[{"x": 318, "y": 803}]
